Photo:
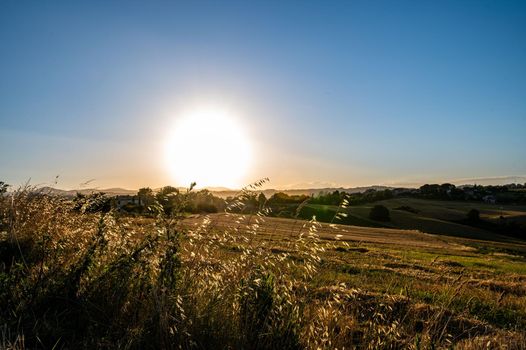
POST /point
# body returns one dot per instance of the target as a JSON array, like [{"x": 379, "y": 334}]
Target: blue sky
[{"x": 331, "y": 92}]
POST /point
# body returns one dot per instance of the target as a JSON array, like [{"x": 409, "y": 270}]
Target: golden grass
[{"x": 101, "y": 280}]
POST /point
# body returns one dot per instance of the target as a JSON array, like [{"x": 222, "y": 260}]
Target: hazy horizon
[{"x": 92, "y": 184}]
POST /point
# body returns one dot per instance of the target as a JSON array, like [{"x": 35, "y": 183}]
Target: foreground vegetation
[{"x": 88, "y": 277}]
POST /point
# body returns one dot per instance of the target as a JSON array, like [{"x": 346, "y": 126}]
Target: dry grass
[{"x": 72, "y": 279}]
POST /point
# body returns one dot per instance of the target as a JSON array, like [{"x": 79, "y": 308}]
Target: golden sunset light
[
  {"x": 208, "y": 146},
  {"x": 263, "y": 174}
]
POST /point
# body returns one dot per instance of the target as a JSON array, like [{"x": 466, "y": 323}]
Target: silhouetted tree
[
  {"x": 3, "y": 187},
  {"x": 92, "y": 203},
  {"x": 379, "y": 213},
  {"x": 473, "y": 215},
  {"x": 261, "y": 200},
  {"x": 167, "y": 197},
  {"x": 146, "y": 196}
]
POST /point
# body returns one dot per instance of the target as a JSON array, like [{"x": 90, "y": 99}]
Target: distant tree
[
  {"x": 473, "y": 215},
  {"x": 261, "y": 200},
  {"x": 92, "y": 203},
  {"x": 279, "y": 197},
  {"x": 3, "y": 223},
  {"x": 430, "y": 191},
  {"x": 167, "y": 197},
  {"x": 166, "y": 190},
  {"x": 146, "y": 196},
  {"x": 204, "y": 201},
  {"x": 206, "y": 208},
  {"x": 379, "y": 213},
  {"x": 457, "y": 193},
  {"x": 3, "y": 187},
  {"x": 283, "y": 198},
  {"x": 446, "y": 188}
]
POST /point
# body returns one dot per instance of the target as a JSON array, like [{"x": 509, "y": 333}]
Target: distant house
[
  {"x": 121, "y": 201},
  {"x": 489, "y": 199}
]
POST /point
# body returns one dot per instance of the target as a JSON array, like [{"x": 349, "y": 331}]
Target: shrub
[
  {"x": 473, "y": 215},
  {"x": 379, "y": 213}
]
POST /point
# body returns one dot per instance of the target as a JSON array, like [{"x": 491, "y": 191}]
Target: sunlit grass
[{"x": 71, "y": 278}]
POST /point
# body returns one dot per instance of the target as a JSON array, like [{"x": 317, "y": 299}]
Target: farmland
[
  {"x": 433, "y": 216},
  {"x": 75, "y": 278},
  {"x": 482, "y": 282}
]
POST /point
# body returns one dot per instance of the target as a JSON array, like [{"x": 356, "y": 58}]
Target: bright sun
[{"x": 209, "y": 147}]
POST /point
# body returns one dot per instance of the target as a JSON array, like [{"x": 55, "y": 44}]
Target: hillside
[
  {"x": 77, "y": 279},
  {"x": 433, "y": 216},
  {"x": 298, "y": 192}
]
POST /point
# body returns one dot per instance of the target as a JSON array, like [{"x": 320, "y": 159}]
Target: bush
[
  {"x": 206, "y": 208},
  {"x": 473, "y": 215},
  {"x": 379, "y": 213}
]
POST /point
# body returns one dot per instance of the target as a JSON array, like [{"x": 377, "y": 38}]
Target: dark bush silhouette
[
  {"x": 3, "y": 187},
  {"x": 473, "y": 215},
  {"x": 97, "y": 202},
  {"x": 379, "y": 213}
]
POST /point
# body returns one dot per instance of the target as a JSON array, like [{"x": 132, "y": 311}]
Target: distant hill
[
  {"x": 307, "y": 191},
  {"x": 218, "y": 191},
  {"x": 72, "y": 193}
]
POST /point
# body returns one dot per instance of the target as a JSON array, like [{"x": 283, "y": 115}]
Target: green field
[{"x": 432, "y": 216}]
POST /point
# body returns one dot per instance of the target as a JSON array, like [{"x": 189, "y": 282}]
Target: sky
[{"x": 328, "y": 93}]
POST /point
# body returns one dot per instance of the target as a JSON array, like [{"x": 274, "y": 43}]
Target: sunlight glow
[{"x": 209, "y": 147}]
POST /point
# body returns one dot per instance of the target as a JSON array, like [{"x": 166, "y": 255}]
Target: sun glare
[{"x": 209, "y": 147}]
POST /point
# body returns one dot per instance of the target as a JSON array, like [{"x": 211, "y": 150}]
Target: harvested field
[{"x": 292, "y": 228}]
